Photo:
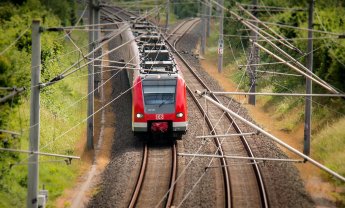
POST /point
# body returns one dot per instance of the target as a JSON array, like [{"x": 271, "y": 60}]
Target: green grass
[{"x": 328, "y": 147}]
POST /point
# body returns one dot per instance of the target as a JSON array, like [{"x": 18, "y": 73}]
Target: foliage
[
  {"x": 328, "y": 64},
  {"x": 64, "y": 9},
  {"x": 184, "y": 9},
  {"x": 57, "y": 112}
]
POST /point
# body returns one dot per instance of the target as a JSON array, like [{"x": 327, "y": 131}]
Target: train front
[{"x": 159, "y": 105}]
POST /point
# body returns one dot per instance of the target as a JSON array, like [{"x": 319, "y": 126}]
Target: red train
[{"x": 159, "y": 99}]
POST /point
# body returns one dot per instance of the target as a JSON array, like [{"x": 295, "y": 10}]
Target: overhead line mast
[
  {"x": 308, "y": 99},
  {"x": 221, "y": 37},
  {"x": 32, "y": 191},
  {"x": 253, "y": 59}
]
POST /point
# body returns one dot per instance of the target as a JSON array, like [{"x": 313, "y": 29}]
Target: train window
[
  {"x": 159, "y": 99},
  {"x": 159, "y": 89},
  {"x": 159, "y": 95}
]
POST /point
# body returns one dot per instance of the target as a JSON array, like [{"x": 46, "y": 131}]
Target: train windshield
[{"x": 159, "y": 95}]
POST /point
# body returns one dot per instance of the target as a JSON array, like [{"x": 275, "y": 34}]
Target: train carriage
[{"x": 159, "y": 98}]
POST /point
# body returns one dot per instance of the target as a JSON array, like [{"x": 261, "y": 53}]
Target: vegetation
[
  {"x": 329, "y": 64},
  {"x": 329, "y": 147},
  {"x": 58, "y": 111}
]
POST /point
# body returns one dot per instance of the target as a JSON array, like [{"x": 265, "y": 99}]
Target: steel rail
[
  {"x": 143, "y": 168},
  {"x": 140, "y": 180},
  {"x": 261, "y": 185},
  {"x": 171, "y": 34},
  {"x": 173, "y": 177},
  {"x": 226, "y": 174},
  {"x": 194, "y": 21}
]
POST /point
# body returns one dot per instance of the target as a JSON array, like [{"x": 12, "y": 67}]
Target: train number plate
[{"x": 159, "y": 116}]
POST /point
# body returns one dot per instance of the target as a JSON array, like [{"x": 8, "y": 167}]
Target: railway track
[
  {"x": 179, "y": 30},
  {"x": 244, "y": 186},
  {"x": 158, "y": 171},
  {"x": 243, "y": 183},
  {"x": 157, "y": 177}
]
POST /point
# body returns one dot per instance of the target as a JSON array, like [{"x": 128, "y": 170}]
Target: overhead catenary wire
[
  {"x": 62, "y": 76},
  {"x": 297, "y": 38},
  {"x": 275, "y": 10},
  {"x": 38, "y": 153},
  {"x": 314, "y": 102},
  {"x": 236, "y": 157},
  {"x": 111, "y": 36},
  {"x": 280, "y": 38},
  {"x": 253, "y": 28},
  {"x": 61, "y": 135},
  {"x": 297, "y": 28},
  {"x": 280, "y": 62},
  {"x": 71, "y": 105},
  {"x": 275, "y": 139},
  {"x": 263, "y": 6},
  {"x": 68, "y": 28},
  {"x": 81, "y": 16},
  {"x": 12, "y": 94},
  {"x": 75, "y": 45},
  {"x": 96, "y": 48},
  {"x": 296, "y": 69},
  {"x": 193, "y": 157},
  {"x": 200, "y": 147},
  {"x": 278, "y": 73},
  {"x": 187, "y": 195},
  {"x": 276, "y": 94},
  {"x": 335, "y": 34}
]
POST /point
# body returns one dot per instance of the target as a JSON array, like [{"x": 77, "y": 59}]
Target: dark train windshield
[{"x": 159, "y": 95}]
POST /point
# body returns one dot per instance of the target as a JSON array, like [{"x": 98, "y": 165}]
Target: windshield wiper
[{"x": 164, "y": 102}]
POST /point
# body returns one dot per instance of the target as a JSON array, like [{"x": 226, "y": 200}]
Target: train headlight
[
  {"x": 139, "y": 115},
  {"x": 179, "y": 115}
]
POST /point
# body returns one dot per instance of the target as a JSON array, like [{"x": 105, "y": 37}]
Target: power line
[
  {"x": 83, "y": 26},
  {"x": 61, "y": 135},
  {"x": 253, "y": 27},
  {"x": 39, "y": 153},
  {"x": 297, "y": 28},
  {"x": 34, "y": 125},
  {"x": 268, "y": 7},
  {"x": 11, "y": 95}
]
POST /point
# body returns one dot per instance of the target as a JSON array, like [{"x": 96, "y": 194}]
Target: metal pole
[
  {"x": 220, "y": 41},
  {"x": 33, "y": 173},
  {"x": 90, "y": 83},
  {"x": 253, "y": 60},
  {"x": 209, "y": 12},
  {"x": 307, "y": 158},
  {"x": 203, "y": 30},
  {"x": 97, "y": 70},
  {"x": 167, "y": 16},
  {"x": 308, "y": 99}
]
